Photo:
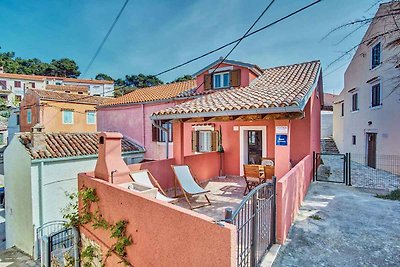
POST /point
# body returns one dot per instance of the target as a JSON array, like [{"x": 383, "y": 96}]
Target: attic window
[{"x": 221, "y": 80}]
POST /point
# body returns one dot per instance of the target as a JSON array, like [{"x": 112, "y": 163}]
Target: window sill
[
  {"x": 376, "y": 67},
  {"x": 219, "y": 88},
  {"x": 376, "y": 107},
  {"x": 162, "y": 142},
  {"x": 354, "y": 111}
]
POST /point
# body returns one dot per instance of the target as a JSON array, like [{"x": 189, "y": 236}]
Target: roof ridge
[{"x": 290, "y": 65}]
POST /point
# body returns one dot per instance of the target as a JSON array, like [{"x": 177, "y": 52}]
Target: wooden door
[{"x": 371, "y": 150}]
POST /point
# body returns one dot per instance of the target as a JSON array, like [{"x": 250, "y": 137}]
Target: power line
[
  {"x": 105, "y": 38},
  {"x": 230, "y": 43},
  {"x": 237, "y": 40},
  {"x": 240, "y": 40},
  {"x": 221, "y": 47}
]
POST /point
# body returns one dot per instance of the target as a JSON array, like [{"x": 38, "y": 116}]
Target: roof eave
[{"x": 227, "y": 113}]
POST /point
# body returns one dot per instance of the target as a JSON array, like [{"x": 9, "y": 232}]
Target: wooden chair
[
  {"x": 189, "y": 184},
  {"x": 252, "y": 176},
  {"x": 269, "y": 171}
]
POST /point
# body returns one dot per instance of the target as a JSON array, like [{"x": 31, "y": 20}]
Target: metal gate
[
  {"x": 332, "y": 167},
  {"x": 255, "y": 222},
  {"x": 59, "y": 246},
  {"x": 45, "y": 230}
]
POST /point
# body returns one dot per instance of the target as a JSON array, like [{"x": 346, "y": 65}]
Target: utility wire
[
  {"x": 241, "y": 39},
  {"x": 105, "y": 38},
  {"x": 237, "y": 40},
  {"x": 223, "y": 46},
  {"x": 230, "y": 43}
]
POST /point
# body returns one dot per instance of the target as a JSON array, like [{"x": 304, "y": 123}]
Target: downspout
[
  {"x": 143, "y": 127},
  {"x": 40, "y": 176},
  {"x": 165, "y": 130}
]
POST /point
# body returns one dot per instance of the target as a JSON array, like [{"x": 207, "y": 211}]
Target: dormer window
[{"x": 221, "y": 80}]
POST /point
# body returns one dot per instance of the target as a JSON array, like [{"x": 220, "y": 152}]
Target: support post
[
  {"x": 313, "y": 165},
  {"x": 349, "y": 166},
  {"x": 274, "y": 211},
  {"x": 228, "y": 215},
  {"x": 282, "y": 148},
  {"x": 254, "y": 236}
]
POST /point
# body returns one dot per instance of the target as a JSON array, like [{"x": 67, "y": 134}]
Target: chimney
[
  {"x": 38, "y": 138},
  {"x": 110, "y": 165}
]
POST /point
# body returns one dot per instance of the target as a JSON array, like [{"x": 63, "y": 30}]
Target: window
[
  {"x": 67, "y": 92},
  {"x": 17, "y": 84},
  {"x": 58, "y": 83},
  {"x": 161, "y": 136},
  {"x": 342, "y": 109},
  {"x": 354, "y": 102},
  {"x": 29, "y": 116},
  {"x": 353, "y": 139},
  {"x": 204, "y": 141},
  {"x": 68, "y": 117},
  {"x": 80, "y": 93},
  {"x": 18, "y": 98},
  {"x": 17, "y": 119},
  {"x": 376, "y": 95},
  {"x": 91, "y": 117},
  {"x": 3, "y": 85},
  {"x": 221, "y": 80},
  {"x": 32, "y": 85},
  {"x": 376, "y": 55}
]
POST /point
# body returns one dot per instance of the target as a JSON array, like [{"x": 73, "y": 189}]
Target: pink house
[
  {"x": 276, "y": 116},
  {"x": 130, "y": 114}
]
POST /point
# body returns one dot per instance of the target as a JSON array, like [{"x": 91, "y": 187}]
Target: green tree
[
  {"x": 103, "y": 77},
  {"x": 183, "y": 78},
  {"x": 142, "y": 80}
]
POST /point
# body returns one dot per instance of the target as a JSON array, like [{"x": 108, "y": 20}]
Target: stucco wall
[
  {"x": 49, "y": 114},
  {"x": 290, "y": 192},
  {"x": 133, "y": 121},
  {"x": 382, "y": 119},
  {"x": 326, "y": 124},
  {"x": 18, "y": 210},
  {"x": 163, "y": 234}
]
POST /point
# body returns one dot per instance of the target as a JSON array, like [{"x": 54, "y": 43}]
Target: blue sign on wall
[{"x": 281, "y": 139}]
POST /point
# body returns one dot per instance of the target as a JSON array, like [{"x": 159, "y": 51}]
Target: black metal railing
[
  {"x": 379, "y": 172},
  {"x": 61, "y": 239},
  {"x": 45, "y": 230},
  {"x": 255, "y": 222}
]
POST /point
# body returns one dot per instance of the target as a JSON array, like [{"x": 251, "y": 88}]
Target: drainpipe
[
  {"x": 165, "y": 130},
  {"x": 40, "y": 176},
  {"x": 143, "y": 127}
]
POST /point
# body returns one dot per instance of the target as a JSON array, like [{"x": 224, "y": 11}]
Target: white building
[
  {"x": 13, "y": 124},
  {"x": 12, "y": 86},
  {"x": 327, "y": 116},
  {"x": 39, "y": 169},
  {"x": 366, "y": 113}
]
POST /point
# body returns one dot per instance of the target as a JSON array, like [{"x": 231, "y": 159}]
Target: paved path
[{"x": 347, "y": 227}]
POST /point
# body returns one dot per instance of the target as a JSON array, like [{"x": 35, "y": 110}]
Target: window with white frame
[
  {"x": 354, "y": 102},
  {"x": 159, "y": 135},
  {"x": 91, "y": 117},
  {"x": 221, "y": 80},
  {"x": 29, "y": 116},
  {"x": 67, "y": 117},
  {"x": 376, "y": 55},
  {"x": 376, "y": 95}
]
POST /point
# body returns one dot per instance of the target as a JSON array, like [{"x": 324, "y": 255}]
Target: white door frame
[{"x": 263, "y": 129}]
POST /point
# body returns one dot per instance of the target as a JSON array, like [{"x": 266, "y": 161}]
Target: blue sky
[{"x": 152, "y": 36}]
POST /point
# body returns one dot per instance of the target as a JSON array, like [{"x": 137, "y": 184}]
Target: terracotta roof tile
[
  {"x": 154, "y": 93},
  {"x": 61, "y": 145},
  {"x": 61, "y": 96},
  {"x": 43, "y": 78},
  {"x": 277, "y": 87},
  {"x": 71, "y": 88}
]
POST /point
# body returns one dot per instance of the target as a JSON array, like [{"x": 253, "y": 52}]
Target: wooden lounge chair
[
  {"x": 253, "y": 176},
  {"x": 189, "y": 185},
  {"x": 144, "y": 177}
]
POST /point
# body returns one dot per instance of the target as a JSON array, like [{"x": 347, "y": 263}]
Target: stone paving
[
  {"x": 339, "y": 225},
  {"x": 224, "y": 193},
  {"x": 361, "y": 175},
  {"x": 13, "y": 257}
]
